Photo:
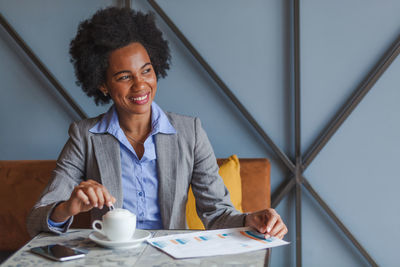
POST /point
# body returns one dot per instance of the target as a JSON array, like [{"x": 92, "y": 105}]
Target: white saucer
[{"x": 138, "y": 237}]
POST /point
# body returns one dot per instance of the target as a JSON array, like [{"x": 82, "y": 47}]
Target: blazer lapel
[
  {"x": 166, "y": 150},
  {"x": 107, "y": 153}
]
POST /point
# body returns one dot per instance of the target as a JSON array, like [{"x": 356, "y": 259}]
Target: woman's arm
[
  {"x": 212, "y": 198},
  {"x": 68, "y": 191},
  {"x": 213, "y": 202}
]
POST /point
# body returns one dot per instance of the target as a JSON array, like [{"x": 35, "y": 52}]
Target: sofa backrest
[
  {"x": 255, "y": 175},
  {"x": 22, "y": 182}
]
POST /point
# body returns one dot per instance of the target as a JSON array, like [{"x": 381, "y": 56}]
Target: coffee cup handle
[{"x": 98, "y": 229}]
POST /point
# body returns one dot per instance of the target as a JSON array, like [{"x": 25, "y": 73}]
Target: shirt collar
[
  {"x": 159, "y": 121},
  {"x": 110, "y": 123}
]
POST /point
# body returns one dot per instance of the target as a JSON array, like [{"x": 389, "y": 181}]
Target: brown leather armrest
[{"x": 21, "y": 183}]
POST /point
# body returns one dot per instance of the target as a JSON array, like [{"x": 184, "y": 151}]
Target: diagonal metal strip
[
  {"x": 282, "y": 191},
  {"x": 352, "y": 102},
  {"x": 223, "y": 86},
  {"x": 328, "y": 210},
  {"x": 40, "y": 65}
]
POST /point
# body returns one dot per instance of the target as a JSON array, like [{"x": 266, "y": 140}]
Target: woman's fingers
[
  {"x": 267, "y": 222},
  {"x": 96, "y": 193},
  {"x": 108, "y": 199},
  {"x": 257, "y": 221},
  {"x": 281, "y": 233},
  {"x": 92, "y": 195},
  {"x": 100, "y": 197},
  {"x": 279, "y": 225},
  {"x": 272, "y": 220},
  {"x": 102, "y": 194},
  {"x": 82, "y": 197},
  {"x": 89, "y": 194}
]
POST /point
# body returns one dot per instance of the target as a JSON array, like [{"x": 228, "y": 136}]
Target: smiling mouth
[{"x": 140, "y": 99}]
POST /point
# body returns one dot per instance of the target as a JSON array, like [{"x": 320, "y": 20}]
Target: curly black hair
[{"x": 107, "y": 30}]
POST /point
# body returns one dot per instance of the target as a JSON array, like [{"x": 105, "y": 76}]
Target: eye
[
  {"x": 123, "y": 78},
  {"x": 147, "y": 70}
]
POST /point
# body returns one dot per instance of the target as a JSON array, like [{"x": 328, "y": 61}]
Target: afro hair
[{"x": 110, "y": 29}]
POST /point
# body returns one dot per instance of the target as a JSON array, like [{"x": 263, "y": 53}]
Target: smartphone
[{"x": 58, "y": 252}]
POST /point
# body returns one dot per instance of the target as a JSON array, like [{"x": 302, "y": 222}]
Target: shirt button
[{"x": 140, "y": 194}]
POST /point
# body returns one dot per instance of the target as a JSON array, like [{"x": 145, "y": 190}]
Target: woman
[{"x": 135, "y": 156}]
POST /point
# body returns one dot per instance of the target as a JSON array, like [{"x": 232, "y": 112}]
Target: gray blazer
[{"x": 182, "y": 159}]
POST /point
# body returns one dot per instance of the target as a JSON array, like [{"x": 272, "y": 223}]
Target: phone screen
[{"x": 58, "y": 252}]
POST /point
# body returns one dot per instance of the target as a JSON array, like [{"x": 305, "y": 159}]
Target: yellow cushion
[{"x": 230, "y": 173}]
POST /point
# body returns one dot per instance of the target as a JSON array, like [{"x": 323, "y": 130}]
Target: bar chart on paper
[{"x": 214, "y": 242}]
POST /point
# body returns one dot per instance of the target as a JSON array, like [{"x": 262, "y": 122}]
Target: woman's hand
[
  {"x": 267, "y": 222},
  {"x": 85, "y": 196}
]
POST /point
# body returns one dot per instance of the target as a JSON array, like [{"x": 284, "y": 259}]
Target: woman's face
[{"x": 131, "y": 80}]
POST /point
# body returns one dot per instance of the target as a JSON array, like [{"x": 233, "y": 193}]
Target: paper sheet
[{"x": 214, "y": 242}]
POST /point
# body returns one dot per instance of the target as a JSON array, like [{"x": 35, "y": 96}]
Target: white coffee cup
[{"x": 117, "y": 225}]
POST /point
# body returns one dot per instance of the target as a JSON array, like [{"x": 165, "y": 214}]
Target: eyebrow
[{"x": 123, "y": 71}]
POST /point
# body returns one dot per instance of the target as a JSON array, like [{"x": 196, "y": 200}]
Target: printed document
[{"x": 214, "y": 242}]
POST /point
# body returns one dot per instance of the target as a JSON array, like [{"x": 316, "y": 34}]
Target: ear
[{"x": 103, "y": 89}]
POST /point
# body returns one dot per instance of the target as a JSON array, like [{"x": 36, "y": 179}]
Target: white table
[{"x": 143, "y": 255}]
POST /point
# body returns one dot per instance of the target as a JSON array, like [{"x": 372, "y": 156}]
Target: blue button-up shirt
[{"x": 139, "y": 176}]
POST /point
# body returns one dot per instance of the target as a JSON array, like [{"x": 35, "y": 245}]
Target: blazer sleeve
[
  {"x": 213, "y": 202},
  {"x": 68, "y": 173}
]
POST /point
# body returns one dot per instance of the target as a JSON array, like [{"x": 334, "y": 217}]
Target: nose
[{"x": 138, "y": 84}]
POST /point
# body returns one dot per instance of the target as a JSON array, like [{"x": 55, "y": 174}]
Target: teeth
[{"x": 140, "y": 98}]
